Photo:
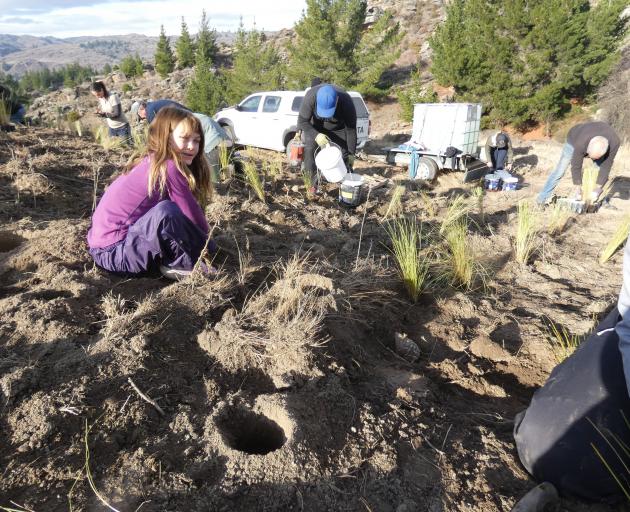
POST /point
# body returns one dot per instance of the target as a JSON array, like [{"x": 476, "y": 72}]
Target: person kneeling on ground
[
  {"x": 577, "y": 423},
  {"x": 109, "y": 108},
  {"x": 327, "y": 114},
  {"x": 152, "y": 218},
  {"x": 595, "y": 140},
  {"x": 500, "y": 154}
]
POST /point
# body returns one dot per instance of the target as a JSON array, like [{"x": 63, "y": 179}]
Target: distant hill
[{"x": 19, "y": 54}]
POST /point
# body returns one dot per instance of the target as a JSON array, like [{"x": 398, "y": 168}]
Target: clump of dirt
[{"x": 276, "y": 385}]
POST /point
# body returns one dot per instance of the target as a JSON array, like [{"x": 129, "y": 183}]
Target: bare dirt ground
[{"x": 278, "y": 384}]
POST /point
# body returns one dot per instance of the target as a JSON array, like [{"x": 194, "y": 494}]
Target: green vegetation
[
  {"x": 413, "y": 265},
  {"x": 132, "y": 66},
  {"x": 563, "y": 343},
  {"x": 185, "y": 48},
  {"x": 332, "y": 44},
  {"x": 525, "y": 60},
  {"x": 206, "y": 43},
  {"x": 528, "y": 222},
  {"x": 66, "y": 76},
  {"x": 164, "y": 58},
  {"x": 257, "y": 66},
  {"x": 416, "y": 92},
  {"x": 206, "y": 89},
  {"x": 619, "y": 237}
]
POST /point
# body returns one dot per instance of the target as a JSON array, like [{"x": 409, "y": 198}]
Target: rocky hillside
[{"x": 19, "y": 54}]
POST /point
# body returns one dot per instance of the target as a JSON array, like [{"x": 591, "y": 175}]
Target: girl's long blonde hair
[{"x": 159, "y": 150}]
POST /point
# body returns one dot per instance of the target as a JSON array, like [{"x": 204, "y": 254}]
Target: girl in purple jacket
[{"x": 152, "y": 217}]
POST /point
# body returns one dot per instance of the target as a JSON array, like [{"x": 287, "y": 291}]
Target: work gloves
[
  {"x": 322, "y": 140},
  {"x": 350, "y": 161}
]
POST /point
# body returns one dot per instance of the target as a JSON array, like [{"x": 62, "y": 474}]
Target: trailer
[{"x": 445, "y": 136}]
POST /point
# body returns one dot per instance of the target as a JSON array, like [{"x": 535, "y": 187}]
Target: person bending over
[
  {"x": 595, "y": 140},
  {"x": 152, "y": 218},
  {"x": 147, "y": 110}
]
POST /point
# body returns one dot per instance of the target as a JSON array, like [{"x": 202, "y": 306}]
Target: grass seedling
[
  {"x": 428, "y": 203},
  {"x": 478, "y": 194},
  {"x": 558, "y": 218},
  {"x": 79, "y": 128},
  {"x": 107, "y": 143},
  {"x": 461, "y": 267},
  {"x": 457, "y": 209},
  {"x": 621, "y": 452},
  {"x": 252, "y": 177},
  {"x": 619, "y": 237},
  {"x": 273, "y": 168},
  {"x": 307, "y": 179},
  {"x": 413, "y": 266},
  {"x": 394, "y": 208},
  {"x": 5, "y": 113},
  {"x": 526, "y": 231},
  {"x": 563, "y": 343},
  {"x": 224, "y": 156},
  {"x": 589, "y": 182}
]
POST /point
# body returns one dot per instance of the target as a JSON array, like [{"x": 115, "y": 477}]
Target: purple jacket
[{"x": 127, "y": 199}]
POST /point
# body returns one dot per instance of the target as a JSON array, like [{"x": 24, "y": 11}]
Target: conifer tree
[
  {"x": 206, "y": 42},
  {"x": 184, "y": 48},
  {"x": 257, "y": 65},
  {"x": 164, "y": 59},
  {"x": 205, "y": 91},
  {"x": 332, "y": 44}
]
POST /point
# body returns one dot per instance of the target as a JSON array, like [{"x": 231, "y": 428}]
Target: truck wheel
[{"x": 427, "y": 169}]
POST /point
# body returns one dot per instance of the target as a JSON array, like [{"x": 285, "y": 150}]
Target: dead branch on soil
[{"x": 145, "y": 397}]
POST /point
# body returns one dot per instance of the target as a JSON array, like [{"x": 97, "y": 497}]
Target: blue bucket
[{"x": 491, "y": 182}]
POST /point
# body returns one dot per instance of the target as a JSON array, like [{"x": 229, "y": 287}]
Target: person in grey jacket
[{"x": 577, "y": 424}]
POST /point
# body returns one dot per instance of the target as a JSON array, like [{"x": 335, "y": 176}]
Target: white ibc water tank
[{"x": 439, "y": 125}]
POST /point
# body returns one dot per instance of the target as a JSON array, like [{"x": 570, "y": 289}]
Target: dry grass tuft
[
  {"x": 619, "y": 237},
  {"x": 101, "y": 136},
  {"x": 528, "y": 223},
  {"x": 458, "y": 209},
  {"x": 394, "y": 207},
  {"x": 563, "y": 344},
  {"x": 460, "y": 267},
  {"x": 253, "y": 179},
  {"x": 413, "y": 265},
  {"x": 558, "y": 218},
  {"x": 5, "y": 113}
]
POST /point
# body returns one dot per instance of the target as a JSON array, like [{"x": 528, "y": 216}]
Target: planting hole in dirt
[
  {"x": 9, "y": 241},
  {"x": 249, "y": 432}
]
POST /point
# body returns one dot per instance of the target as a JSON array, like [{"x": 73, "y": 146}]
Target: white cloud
[{"x": 144, "y": 17}]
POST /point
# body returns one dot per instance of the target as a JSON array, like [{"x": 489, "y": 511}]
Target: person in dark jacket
[
  {"x": 147, "y": 110},
  {"x": 595, "y": 140},
  {"x": 327, "y": 114}
]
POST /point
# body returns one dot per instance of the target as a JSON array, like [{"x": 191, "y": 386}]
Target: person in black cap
[
  {"x": 499, "y": 151},
  {"x": 327, "y": 115}
]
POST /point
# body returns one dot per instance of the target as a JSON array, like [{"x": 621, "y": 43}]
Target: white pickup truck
[{"x": 269, "y": 119}]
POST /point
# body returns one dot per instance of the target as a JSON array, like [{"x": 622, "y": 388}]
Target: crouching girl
[{"x": 152, "y": 218}]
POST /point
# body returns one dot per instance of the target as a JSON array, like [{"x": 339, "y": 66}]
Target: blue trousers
[
  {"x": 123, "y": 131},
  {"x": 556, "y": 175},
  {"x": 162, "y": 236},
  {"x": 581, "y": 407},
  {"x": 498, "y": 158}
]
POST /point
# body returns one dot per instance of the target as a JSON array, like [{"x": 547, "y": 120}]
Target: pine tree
[
  {"x": 107, "y": 69},
  {"x": 206, "y": 40},
  {"x": 139, "y": 66},
  {"x": 184, "y": 48},
  {"x": 257, "y": 65},
  {"x": 164, "y": 59},
  {"x": 331, "y": 44},
  {"x": 205, "y": 91}
]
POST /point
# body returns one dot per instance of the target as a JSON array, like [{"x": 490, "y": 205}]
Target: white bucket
[{"x": 329, "y": 161}]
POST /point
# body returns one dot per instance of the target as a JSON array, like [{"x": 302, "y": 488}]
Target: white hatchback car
[{"x": 269, "y": 119}]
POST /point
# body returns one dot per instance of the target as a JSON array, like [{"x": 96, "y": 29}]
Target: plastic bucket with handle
[
  {"x": 329, "y": 161},
  {"x": 351, "y": 190}
]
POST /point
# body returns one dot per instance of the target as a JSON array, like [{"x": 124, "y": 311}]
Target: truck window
[
  {"x": 250, "y": 104},
  {"x": 271, "y": 104},
  {"x": 297, "y": 103},
  {"x": 359, "y": 106}
]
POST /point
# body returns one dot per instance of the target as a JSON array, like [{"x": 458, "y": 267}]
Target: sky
[{"x": 72, "y": 18}]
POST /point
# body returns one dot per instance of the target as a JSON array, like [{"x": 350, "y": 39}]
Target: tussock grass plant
[
  {"x": 558, "y": 218},
  {"x": 101, "y": 136},
  {"x": 140, "y": 139},
  {"x": 478, "y": 195},
  {"x": 457, "y": 209},
  {"x": 589, "y": 181},
  {"x": 273, "y": 168},
  {"x": 460, "y": 267},
  {"x": 79, "y": 128},
  {"x": 307, "y": 180},
  {"x": 621, "y": 452},
  {"x": 224, "y": 155},
  {"x": 528, "y": 223},
  {"x": 412, "y": 263},
  {"x": 394, "y": 207},
  {"x": 253, "y": 179},
  {"x": 5, "y": 113},
  {"x": 619, "y": 237},
  {"x": 563, "y": 343},
  {"x": 429, "y": 204}
]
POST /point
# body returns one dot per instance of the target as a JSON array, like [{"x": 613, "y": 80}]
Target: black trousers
[
  {"x": 580, "y": 408},
  {"x": 336, "y": 136}
]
